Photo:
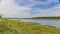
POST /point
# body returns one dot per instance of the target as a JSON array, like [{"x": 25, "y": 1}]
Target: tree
[{"x": 0, "y": 15}]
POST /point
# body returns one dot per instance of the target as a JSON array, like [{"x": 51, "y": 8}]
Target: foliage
[{"x": 0, "y": 16}]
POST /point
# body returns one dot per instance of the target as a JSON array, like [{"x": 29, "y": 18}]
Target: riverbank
[{"x": 8, "y": 26}]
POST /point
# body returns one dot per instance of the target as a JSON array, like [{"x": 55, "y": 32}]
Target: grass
[{"x": 8, "y": 26}]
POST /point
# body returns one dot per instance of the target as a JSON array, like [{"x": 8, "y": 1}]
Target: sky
[{"x": 29, "y": 8}]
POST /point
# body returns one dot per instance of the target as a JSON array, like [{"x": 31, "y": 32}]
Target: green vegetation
[
  {"x": 45, "y": 18},
  {"x": 8, "y": 26},
  {"x": 0, "y": 16}
]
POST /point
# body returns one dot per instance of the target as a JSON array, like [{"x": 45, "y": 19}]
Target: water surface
[{"x": 55, "y": 23}]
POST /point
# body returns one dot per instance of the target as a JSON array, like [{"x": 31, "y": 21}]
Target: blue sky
[{"x": 29, "y": 8}]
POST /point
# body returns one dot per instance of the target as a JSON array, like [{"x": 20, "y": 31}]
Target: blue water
[{"x": 55, "y": 23}]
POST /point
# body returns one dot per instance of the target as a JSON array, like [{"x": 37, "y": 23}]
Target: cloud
[
  {"x": 29, "y": 8},
  {"x": 43, "y": 4},
  {"x": 9, "y": 9}
]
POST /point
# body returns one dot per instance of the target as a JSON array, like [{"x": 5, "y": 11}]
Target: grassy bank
[{"x": 16, "y": 27}]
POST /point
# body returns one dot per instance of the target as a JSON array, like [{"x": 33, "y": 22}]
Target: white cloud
[{"x": 9, "y": 9}]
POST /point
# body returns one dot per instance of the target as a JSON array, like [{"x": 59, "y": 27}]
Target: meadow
[{"x": 8, "y": 26}]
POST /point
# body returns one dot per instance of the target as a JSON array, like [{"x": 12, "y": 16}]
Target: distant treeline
[
  {"x": 38, "y": 18},
  {"x": 46, "y": 18}
]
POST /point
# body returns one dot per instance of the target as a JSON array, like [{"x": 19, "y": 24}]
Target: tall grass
[{"x": 8, "y": 26}]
